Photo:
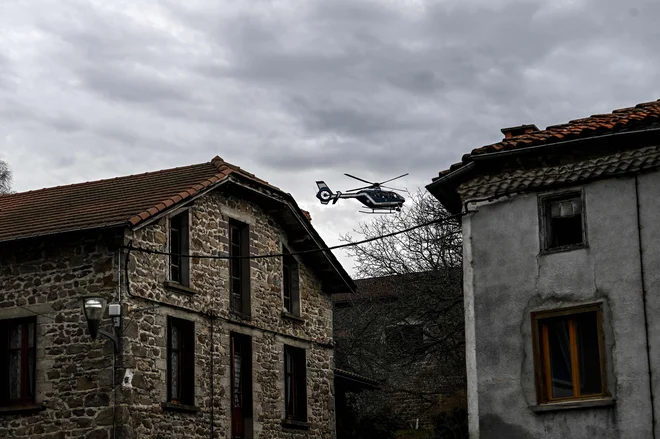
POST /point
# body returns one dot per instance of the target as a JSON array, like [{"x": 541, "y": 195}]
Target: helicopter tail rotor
[{"x": 324, "y": 194}]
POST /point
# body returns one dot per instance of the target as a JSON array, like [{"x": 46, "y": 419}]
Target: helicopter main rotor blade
[
  {"x": 391, "y": 179},
  {"x": 358, "y": 178},
  {"x": 358, "y": 189},
  {"x": 393, "y": 188}
]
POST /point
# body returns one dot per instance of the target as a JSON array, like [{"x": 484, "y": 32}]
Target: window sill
[
  {"x": 572, "y": 405},
  {"x": 17, "y": 409},
  {"x": 290, "y": 423},
  {"x": 173, "y": 406},
  {"x": 290, "y": 316},
  {"x": 179, "y": 288},
  {"x": 564, "y": 248}
]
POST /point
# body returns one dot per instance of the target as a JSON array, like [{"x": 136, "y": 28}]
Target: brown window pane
[
  {"x": 30, "y": 374},
  {"x": 15, "y": 336},
  {"x": 566, "y": 231},
  {"x": 174, "y": 376},
  {"x": 286, "y": 285},
  {"x": 563, "y": 221},
  {"x": 589, "y": 356},
  {"x": 15, "y": 375},
  {"x": 17, "y": 361},
  {"x": 181, "y": 361},
  {"x": 569, "y": 353},
  {"x": 241, "y": 386},
  {"x": 560, "y": 359}
]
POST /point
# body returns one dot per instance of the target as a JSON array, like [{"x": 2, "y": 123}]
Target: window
[
  {"x": 239, "y": 269},
  {"x": 179, "y": 265},
  {"x": 180, "y": 361},
  {"x": 569, "y": 354},
  {"x": 17, "y": 348},
  {"x": 290, "y": 284},
  {"x": 295, "y": 384},
  {"x": 241, "y": 386},
  {"x": 563, "y": 221}
]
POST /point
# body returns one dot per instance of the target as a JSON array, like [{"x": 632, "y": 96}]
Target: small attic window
[{"x": 563, "y": 221}]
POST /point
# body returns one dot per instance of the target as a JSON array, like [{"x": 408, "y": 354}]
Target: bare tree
[
  {"x": 5, "y": 178},
  {"x": 405, "y": 324}
]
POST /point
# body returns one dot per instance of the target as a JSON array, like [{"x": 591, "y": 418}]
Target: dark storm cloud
[{"x": 296, "y": 91}]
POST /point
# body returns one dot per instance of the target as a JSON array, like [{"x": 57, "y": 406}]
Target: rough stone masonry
[{"x": 75, "y": 395}]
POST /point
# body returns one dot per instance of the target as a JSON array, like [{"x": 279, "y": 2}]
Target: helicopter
[{"x": 372, "y": 196}]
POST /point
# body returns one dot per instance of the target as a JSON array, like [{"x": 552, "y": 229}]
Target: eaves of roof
[
  {"x": 134, "y": 201},
  {"x": 639, "y": 122}
]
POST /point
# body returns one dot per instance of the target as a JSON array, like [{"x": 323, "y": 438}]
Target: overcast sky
[{"x": 296, "y": 91}]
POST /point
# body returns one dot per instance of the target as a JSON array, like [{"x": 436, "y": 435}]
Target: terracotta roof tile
[
  {"x": 622, "y": 119},
  {"x": 117, "y": 201}
]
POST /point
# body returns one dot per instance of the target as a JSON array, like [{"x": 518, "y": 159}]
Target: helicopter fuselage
[{"x": 372, "y": 198}]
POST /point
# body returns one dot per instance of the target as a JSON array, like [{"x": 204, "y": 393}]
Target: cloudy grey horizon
[{"x": 299, "y": 91}]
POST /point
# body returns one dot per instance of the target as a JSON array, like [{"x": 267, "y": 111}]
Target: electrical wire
[{"x": 131, "y": 247}]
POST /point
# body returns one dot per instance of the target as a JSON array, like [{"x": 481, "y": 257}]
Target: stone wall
[
  {"x": 48, "y": 278},
  {"x": 144, "y": 349},
  {"x": 74, "y": 373}
]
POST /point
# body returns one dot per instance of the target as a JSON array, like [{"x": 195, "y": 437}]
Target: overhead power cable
[{"x": 300, "y": 252}]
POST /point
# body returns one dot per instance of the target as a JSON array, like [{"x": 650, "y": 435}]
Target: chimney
[
  {"x": 518, "y": 131},
  {"x": 307, "y": 215}
]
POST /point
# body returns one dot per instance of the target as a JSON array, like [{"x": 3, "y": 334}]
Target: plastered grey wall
[{"x": 506, "y": 278}]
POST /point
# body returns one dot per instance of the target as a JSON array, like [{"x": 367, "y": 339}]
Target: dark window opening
[
  {"x": 290, "y": 283},
  {"x": 564, "y": 222},
  {"x": 181, "y": 361},
  {"x": 179, "y": 263},
  {"x": 570, "y": 359},
  {"x": 295, "y": 384},
  {"x": 241, "y": 386},
  {"x": 239, "y": 269},
  {"x": 17, "y": 371}
]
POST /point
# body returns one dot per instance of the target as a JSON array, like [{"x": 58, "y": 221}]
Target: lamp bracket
[{"x": 112, "y": 336}]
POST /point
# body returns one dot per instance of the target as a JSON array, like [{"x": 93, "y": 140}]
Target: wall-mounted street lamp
[{"x": 93, "y": 308}]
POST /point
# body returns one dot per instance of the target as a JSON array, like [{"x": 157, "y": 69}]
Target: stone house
[
  {"x": 407, "y": 333},
  {"x": 562, "y": 299},
  {"x": 210, "y": 341}
]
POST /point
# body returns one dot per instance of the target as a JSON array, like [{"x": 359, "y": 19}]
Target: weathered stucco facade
[
  {"x": 504, "y": 292},
  {"x": 76, "y": 395},
  {"x": 511, "y": 276}
]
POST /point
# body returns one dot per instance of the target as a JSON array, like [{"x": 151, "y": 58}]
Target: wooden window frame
[
  {"x": 290, "y": 283},
  {"x": 179, "y": 243},
  {"x": 239, "y": 269},
  {"x": 241, "y": 414},
  {"x": 295, "y": 384},
  {"x": 545, "y": 220},
  {"x": 542, "y": 355},
  {"x": 185, "y": 351},
  {"x": 5, "y": 330}
]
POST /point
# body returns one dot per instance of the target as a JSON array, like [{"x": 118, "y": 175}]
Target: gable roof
[
  {"x": 597, "y": 126},
  {"x": 119, "y": 201},
  {"x": 133, "y": 200}
]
